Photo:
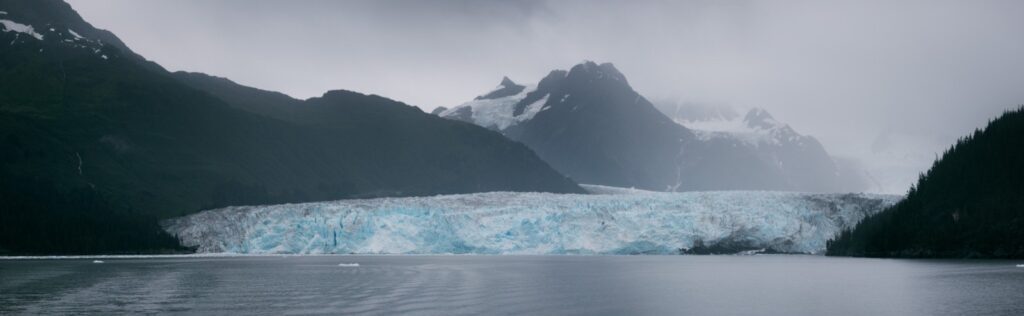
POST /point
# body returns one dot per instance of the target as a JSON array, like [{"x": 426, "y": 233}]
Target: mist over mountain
[
  {"x": 468, "y": 157},
  {"x": 802, "y": 155},
  {"x": 590, "y": 124}
]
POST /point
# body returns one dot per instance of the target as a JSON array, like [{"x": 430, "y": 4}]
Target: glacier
[
  {"x": 608, "y": 221},
  {"x": 499, "y": 113}
]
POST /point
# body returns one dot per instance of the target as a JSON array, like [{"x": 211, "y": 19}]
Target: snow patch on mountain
[
  {"x": 755, "y": 128},
  {"x": 11, "y": 26},
  {"x": 75, "y": 34},
  {"x": 614, "y": 221},
  {"x": 498, "y": 113},
  {"x": 533, "y": 108}
]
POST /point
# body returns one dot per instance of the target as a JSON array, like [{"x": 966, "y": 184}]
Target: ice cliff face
[{"x": 612, "y": 221}]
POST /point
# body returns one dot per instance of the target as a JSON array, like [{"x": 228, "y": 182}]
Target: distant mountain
[
  {"x": 97, "y": 144},
  {"x": 689, "y": 112},
  {"x": 969, "y": 204},
  {"x": 591, "y": 125},
  {"x": 438, "y": 110},
  {"x": 802, "y": 159}
]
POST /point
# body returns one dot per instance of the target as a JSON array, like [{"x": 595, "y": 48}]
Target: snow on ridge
[
  {"x": 11, "y": 26},
  {"x": 618, "y": 221},
  {"x": 533, "y": 109},
  {"x": 75, "y": 34},
  {"x": 498, "y": 113},
  {"x": 755, "y": 128}
]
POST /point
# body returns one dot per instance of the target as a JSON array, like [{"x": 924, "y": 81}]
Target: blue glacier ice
[{"x": 610, "y": 221}]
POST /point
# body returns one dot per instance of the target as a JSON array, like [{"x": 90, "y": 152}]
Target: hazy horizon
[{"x": 887, "y": 84}]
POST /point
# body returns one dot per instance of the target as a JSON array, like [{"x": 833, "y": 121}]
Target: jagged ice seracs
[{"x": 609, "y": 221}]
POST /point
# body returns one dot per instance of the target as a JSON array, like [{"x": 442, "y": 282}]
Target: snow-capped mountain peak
[
  {"x": 760, "y": 119},
  {"x": 47, "y": 24},
  {"x": 757, "y": 127},
  {"x": 591, "y": 125},
  {"x": 497, "y": 109},
  {"x": 510, "y": 104}
]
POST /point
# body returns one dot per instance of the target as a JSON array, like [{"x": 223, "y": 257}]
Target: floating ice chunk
[
  {"x": 607, "y": 190},
  {"x": 1020, "y": 265},
  {"x": 751, "y": 252},
  {"x": 97, "y": 261},
  {"x": 348, "y": 265},
  {"x": 11, "y": 26},
  {"x": 3, "y": 12}
]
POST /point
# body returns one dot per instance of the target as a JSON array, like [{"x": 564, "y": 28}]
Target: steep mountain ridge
[
  {"x": 591, "y": 125},
  {"x": 93, "y": 135},
  {"x": 802, "y": 158}
]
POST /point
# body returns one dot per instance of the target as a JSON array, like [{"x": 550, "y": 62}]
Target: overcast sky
[{"x": 845, "y": 72}]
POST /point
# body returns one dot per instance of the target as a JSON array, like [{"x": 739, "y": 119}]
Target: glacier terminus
[{"x": 608, "y": 221}]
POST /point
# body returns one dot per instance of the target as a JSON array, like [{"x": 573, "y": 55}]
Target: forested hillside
[{"x": 969, "y": 204}]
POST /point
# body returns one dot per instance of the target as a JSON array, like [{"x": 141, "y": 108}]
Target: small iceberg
[
  {"x": 1020, "y": 265},
  {"x": 97, "y": 261},
  {"x": 348, "y": 265}
]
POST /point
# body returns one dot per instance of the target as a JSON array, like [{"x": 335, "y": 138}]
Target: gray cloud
[{"x": 847, "y": 72}]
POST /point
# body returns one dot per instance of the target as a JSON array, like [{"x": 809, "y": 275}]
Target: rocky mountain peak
[
  {"x": 759, "y": 118},
  {"x": 590, "y": 70},
  {"x": 505, "y": 81},
  {"x": 507, "y": 87}
]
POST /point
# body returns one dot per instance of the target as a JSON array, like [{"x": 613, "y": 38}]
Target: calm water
[{"x": 697, "y": 285}]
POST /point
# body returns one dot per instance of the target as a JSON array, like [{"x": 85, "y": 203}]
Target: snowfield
[
  {"x": 499, "y": 113},
  {"x": 611, "y": 221},
  {"x": 11, "y": 26}
]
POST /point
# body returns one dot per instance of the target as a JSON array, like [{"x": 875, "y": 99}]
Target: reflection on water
[{"x": 699, "y": 285}]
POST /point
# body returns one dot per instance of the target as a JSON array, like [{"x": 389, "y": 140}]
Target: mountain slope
[
  {"x": 801, "y": 158},
  {"x": 92, "y": 130},
  {"x": 398, "y": 133},
  {"x": 969, "y": 204},
  {"x": 267, "y": 103},
  {"x": 591, "y": 125}
]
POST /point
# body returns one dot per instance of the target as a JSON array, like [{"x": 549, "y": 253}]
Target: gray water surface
[{"x": 588, "y": 285}]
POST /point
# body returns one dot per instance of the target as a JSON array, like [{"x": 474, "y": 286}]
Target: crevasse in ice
[{"x": 611, "y": 221}]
